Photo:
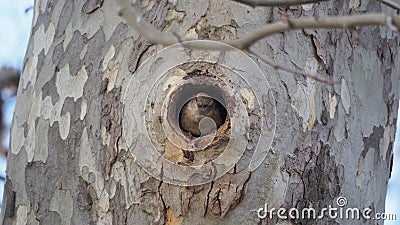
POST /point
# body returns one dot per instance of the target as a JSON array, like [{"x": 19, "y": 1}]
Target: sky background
[{"x": 15, "y": 25}]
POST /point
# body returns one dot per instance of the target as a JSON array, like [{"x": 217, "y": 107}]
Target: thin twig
[
  {"x": 294, "y": 71},
  {"x": 342, "y": 22},
  {"x": 150, "y": 33},
  {"x": 254, "y": 3},
  {"x": 154, "y": 36},
  {"x": 391, "y": 4}
]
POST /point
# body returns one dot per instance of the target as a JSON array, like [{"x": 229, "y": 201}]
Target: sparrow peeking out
[{"x": 201, "y": 115}]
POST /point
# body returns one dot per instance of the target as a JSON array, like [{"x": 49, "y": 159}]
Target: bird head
[{"x": 204, "y": 102}]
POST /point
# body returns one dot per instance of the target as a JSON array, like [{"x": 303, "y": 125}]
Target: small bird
[{"x": 200, "y": 115}]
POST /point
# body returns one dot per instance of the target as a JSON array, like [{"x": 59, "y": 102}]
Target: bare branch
[
  {"x": 154, "y": 36},
  {"x": 254, "y": 3},
  {"x": 294, "y": 71},
  {"x": 323, "y": 22},
  {"x": 391, "y": 4},
  {"x": 150, "y": 33}
]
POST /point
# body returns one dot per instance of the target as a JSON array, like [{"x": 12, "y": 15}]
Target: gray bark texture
[{"x": 89, "y": 92}]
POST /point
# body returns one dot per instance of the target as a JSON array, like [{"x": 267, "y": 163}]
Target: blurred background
[{"x": 15, "y": 23}]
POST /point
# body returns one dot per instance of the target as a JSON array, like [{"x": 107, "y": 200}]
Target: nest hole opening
[{"x": 190, "y": 102}]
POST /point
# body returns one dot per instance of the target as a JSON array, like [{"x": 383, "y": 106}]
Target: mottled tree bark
[{"x": 70, "y": 162}]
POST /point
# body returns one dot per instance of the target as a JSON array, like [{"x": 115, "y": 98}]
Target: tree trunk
[{"x": 89, "y": 145}]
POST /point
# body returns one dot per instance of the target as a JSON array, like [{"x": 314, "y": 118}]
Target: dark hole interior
[{"x": 189, "y": 92}]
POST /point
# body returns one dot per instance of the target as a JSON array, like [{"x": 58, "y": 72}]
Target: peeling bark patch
[
  {"x": 41, "y": 179},
  {"x": 58, "y": 53},
  {"x": 111, "y": 126},
  {"x": 84, "y": 199},
  {"x": 109, "y": 55},
  {"x": 295, "y": 165},
  {"x": 72, "y": 54},
  {"x": 91, "y": 6},
  {"x": 387, "y": 58},
  {"x": 119, "y": 35},
  {"x": 25, "y": 127},
  {"x": 40, "y": 190},
  {"x": 40, "y": 59},
  {"x": 61, "y": 202},
  {"x": 332, "y": 105},
  {"x": 216, "y": 33},
  {"x": 371, "y": 157},
  {"x": 50, "y": 89},
  {"x": 345, "y": 96},
  {"x": 65, "y": 17},
  {"x": 156, "y": 16},
  {"x": 311, "y": 120},
  {"x": 372, "y": 142},
  {"x": 140, "y": 46},
  {"x": 72, "y": 107},
  {"x": 119, "y": 213},
  {"x": 104, "y": 202},
  {"x": 387, "y": 85},
  {"x": 83, "y": 109},
  {"x": 8, "y": 201},
  {"x": 32, "y": 67},
  {"x": 172, "y": 219},
  {"x": 16, "y": 194},
  {"x": 45, "y": 16},
  {"x": 323, "y": 180},
  {"x": 226, "y": 193},
  {"x": 22, "y": 215},
  {"x": 87, "y": 167},
  {"x": 177, "y": 200},
  {"x": 41, "y": 140},
  {"x": 321, "y": 177},
  {"x": 302, "y": 102},
  {"x": 112, "y": 77},
  {"x": 151, "y": 201},
  {"x": 51, "y": 218},
  {"x": 43, "y": 39},
  {"x": 96, "y": 50},
  {"x": 71, "y": 86},
  {"x": 324, "y": 45}
]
